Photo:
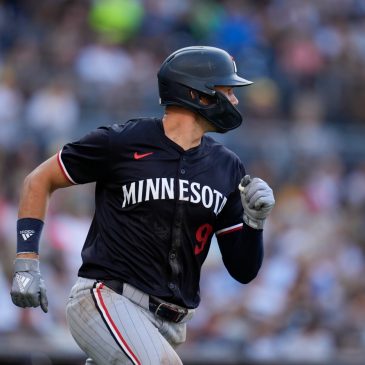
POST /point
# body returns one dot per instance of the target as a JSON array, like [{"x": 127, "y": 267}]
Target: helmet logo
[{"x": 234, "y": 65}]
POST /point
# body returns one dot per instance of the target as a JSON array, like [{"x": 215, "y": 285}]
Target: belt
[{"x": 170, "y": 312}]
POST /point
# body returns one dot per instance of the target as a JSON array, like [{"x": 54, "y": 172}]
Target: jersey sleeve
[
  {"x": 87, "y": 159},
  {"x": 230, "y": 219}
]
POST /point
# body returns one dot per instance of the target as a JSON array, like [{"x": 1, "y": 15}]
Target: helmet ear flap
[{"x": 223, "y": 114}]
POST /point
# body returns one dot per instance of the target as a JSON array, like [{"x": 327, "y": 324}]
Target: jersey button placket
[
  {"x": 182, "y": 167},
  {"x": 173, "y": 259}
]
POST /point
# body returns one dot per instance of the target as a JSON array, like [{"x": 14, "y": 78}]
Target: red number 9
[{"x": 202, "y": 234}]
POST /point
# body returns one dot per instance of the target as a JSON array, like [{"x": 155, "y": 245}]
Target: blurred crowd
[{"x": 67, "y": 66}]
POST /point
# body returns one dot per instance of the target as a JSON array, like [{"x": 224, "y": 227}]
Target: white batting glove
[{"x": 257, "y": 200}]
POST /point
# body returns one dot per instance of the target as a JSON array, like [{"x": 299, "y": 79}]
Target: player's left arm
[
  {"x": 242, "y": 252},
  {"x": 242, "y": 246}
]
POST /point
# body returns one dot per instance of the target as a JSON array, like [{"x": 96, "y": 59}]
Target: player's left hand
[{"x": 257, "y": 199}]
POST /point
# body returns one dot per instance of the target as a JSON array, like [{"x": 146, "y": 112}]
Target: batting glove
[
  {"x": 257, "y": 199},
  {"x": 28, "y": 289}
]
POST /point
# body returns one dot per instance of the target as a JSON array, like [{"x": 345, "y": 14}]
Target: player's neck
[{"x": 183, "y": 127}]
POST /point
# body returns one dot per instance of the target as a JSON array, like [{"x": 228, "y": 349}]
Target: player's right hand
[
  {"x": 28, "y": 289},
  {"x": 257, "y": 200}
]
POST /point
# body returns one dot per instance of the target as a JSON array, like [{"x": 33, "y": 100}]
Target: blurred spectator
[
  {"x": 53, "y": 111},
  {"x": 11, "y": 104}
]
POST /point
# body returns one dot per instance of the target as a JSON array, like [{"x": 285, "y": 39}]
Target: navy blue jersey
[{"x": 156, "y": 206}]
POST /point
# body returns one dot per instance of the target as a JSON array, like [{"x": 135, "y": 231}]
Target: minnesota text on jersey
[{"x": 164, "y": 188}]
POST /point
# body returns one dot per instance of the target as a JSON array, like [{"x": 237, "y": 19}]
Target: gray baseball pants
[{"x": 114, "y": 329}]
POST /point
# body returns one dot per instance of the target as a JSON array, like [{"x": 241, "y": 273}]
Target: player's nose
[{"x": 233, "y": 99}]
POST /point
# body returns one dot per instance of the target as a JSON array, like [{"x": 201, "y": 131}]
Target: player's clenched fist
[
  {"x": 28, "y": 289},
  {"x": 257, "y": 199}
]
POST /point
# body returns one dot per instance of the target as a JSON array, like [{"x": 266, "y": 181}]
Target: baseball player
[{"x": 163, "y": 189}]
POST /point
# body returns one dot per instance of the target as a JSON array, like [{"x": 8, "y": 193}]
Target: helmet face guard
[{"x": 201, "y": 69}]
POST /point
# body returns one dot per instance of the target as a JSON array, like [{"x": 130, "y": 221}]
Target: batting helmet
[{"x": 201, "y": 68}]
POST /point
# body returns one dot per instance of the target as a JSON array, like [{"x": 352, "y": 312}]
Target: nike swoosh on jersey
[{"x": 138, "y": 156}]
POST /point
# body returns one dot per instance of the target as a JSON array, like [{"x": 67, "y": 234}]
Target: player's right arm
[
  {"x": 79, "y": 162},
  {"x": 38, "y": 187},
  {"x": 28, "y": 289}
]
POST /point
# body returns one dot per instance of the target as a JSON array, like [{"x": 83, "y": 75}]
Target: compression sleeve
[{"x": 242, "y": 252}]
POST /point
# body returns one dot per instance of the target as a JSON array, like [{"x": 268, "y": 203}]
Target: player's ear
[
  {"x": 203, "y": 99},
  {"x": 193, "y": 94}
]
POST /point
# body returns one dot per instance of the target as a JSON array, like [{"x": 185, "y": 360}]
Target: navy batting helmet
[{"x": 201, "y": 68}]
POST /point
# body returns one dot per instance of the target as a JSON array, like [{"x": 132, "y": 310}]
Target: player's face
[{"x": 228, "y": 92}]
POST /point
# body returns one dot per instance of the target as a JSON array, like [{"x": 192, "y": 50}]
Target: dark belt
[{"x": 170, "y": 312}]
